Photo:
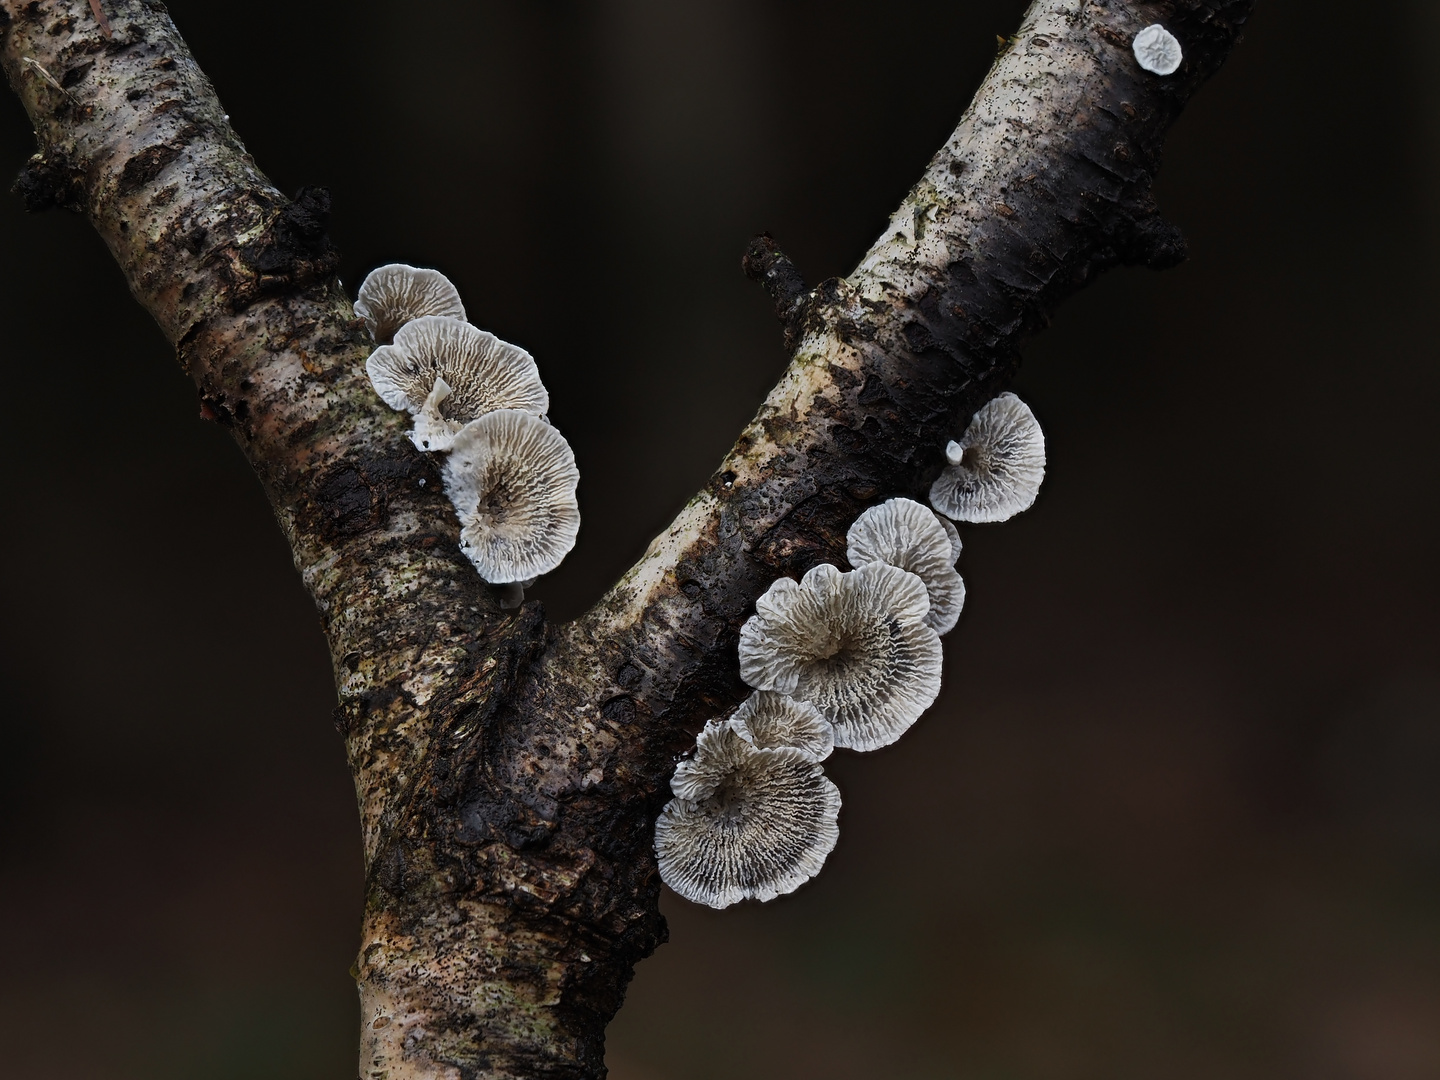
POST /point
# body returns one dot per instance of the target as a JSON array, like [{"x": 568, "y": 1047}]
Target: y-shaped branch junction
[{"x": 509, "y": 772}]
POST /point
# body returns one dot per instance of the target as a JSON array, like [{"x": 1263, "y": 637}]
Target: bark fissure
[{"x": 509, "y": 772}]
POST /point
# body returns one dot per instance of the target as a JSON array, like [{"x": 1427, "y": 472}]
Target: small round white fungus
[
  {"x": 392, "y": 295},
  {"x": 447, "y": 373},
  {"x": 746, "y": 822},
  {"x": 903, "y": 533},
  {"x": 769, "y": 720},
  {"x": 512, "y": 479},
  {"x": 996, "y": 468},
  {"x": 1157, "y": 50},
  {"x": 854, "y": 645}
]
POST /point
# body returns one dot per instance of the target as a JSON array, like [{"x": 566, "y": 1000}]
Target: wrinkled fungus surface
[
  {"x": 1157, "y": 51},
  {"x": 854, "y": 645},
  {"x": 769, "y": 720},
  {"x": 479, "y": 372},
  {"x": 747, "y": 822},
  {"x": 903, "y": 533},
  {"x": 392, "y": 295},
  {"x": 512, "y": 478},
  {"x": 996, "y": 468}
]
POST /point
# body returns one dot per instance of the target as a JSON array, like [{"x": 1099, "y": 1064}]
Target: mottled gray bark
[{"x": 509, "y": 772}]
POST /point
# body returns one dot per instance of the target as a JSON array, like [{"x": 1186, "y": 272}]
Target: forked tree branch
[{"x": 509, "y": 772}]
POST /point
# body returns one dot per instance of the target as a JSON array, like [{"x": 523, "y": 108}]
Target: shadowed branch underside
[{"x": 509, "y": 772}]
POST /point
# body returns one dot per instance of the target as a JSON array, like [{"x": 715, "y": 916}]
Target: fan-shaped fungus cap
[
  {"x": 853, "y": 645},
  {"x": 480, "y": 374},
  {"x": 903, "y": 533},
  {"x": 751, "y": 823},
  {"x": 392, "y": 295},
  {"x": 512, "y": 479},
  {"x": 769, "y": 720},
  {"x": 1157, "y": 50},
  {"x": 996, "y": 468}
]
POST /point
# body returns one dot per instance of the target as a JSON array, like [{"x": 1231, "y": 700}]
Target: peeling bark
[{"x": 508, "y": 772}]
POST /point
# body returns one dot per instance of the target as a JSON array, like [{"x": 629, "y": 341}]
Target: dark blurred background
[{"x": 1177, "y": 812}]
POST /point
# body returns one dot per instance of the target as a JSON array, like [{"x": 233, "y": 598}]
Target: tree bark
[{"x": 508, "y": 771}]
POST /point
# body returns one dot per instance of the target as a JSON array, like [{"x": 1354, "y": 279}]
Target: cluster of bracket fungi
[
  {"x": 837, "y": 659},
  {"x": 845, "y": 659},
  {"x": 479, "y": 401}
]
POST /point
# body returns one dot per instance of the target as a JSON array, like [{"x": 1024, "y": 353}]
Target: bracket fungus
[
  {"x": 769, "y": 720},
  {"x": 996, "y": 468},
  {"x": 747, "y": 822},
  {"x": 854, "y": 645},
  {"x": 512, "y": 478},
  {"x": 1157, "y": 51},
  {"x": 903, "y": 533},
  {"x": 392, "y": 295},
  {"x": 446, "y": 373}
]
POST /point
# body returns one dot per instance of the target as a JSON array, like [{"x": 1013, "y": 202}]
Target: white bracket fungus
[
  {"x": 903, "y": 533},
  {"x": 747, "y": 822},
  {"x": 1157, "y": 50},
  {"x": 512, "y": 479},
  {"x": 392, "y": 295},
  {"x": 854, "y": 645},
  {"x": 446, "y": 373},
  {"x": 769, "y": 720},
  {"x": 996, "y": 468}
]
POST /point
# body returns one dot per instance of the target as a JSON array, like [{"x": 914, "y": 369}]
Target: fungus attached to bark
[
  {"x": 1157, "y": 50},
  {"x": 447, "y": 373},
  {"x": 512, "y": 479},
  {"x": 995, "y": 469},
  {"x": 903, "y": 533},
  {"x": 770, "y": 720},
  {"x": 747, "y": 823},
  {"x": 854, "y": 645},
  {"x": 392, "y": 295}
]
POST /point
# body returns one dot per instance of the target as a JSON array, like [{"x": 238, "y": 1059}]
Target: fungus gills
[
  {"x": 746, "y": 822},
  {"x": 479, "y": 374},
  {"x": 392, "y": 295},
  {"x": 512, "y": 478},
  {"x": 903, "y": 533},
  {"x": 953, "y": 534},
  {"x": 996, "y": 468},
  {"x": 854, "y": 645},
  {"x": 769, "y": 720}
]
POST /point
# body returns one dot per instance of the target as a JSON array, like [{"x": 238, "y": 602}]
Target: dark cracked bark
[{"x": 509, "y": 772}]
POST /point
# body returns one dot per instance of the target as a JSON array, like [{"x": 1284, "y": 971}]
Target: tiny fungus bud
[
  {"x": 392, "y": 295},
  {"x": 747, "y": 822},
  {"x": 854, "y": 645},
  {"x": 446, "y": 373},
  {"x": 769, "y": 720},
  {"x": 1157, "y": 50},
  {"x": 903, "y": 533},
  {"x": 512, "y": 479},
  {"x": 996, "y": 468}
]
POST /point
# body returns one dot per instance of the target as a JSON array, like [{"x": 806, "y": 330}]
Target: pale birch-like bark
[{"x": 509, "y": 772}]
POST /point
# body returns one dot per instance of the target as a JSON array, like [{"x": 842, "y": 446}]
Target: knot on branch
[
  {"x": 1147, "y": 239},
  {"x": 1157, "y": 243},
  {"x": 294, "y": 251},
  {"x": 766, "y": 263},
  {"x": 48, "y": 180}
]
